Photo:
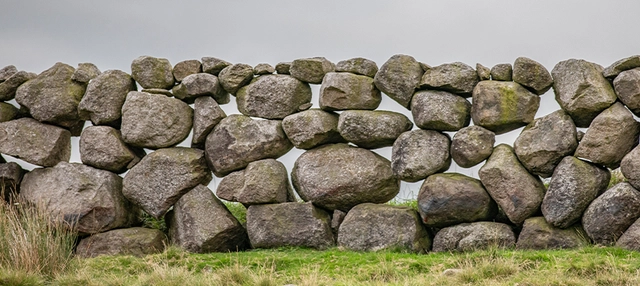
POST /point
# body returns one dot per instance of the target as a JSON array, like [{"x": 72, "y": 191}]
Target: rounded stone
[
  {"x": 105, "y": 95},
  {"x": 458, "y": 78},
  {"x": 417, "y": 154},
  {"x": 532, "y": 75},
  {"x": 398, "y": 78},
  {"x": 311, "y": 70},
  {"x": 343, "y": 91},
  {"x": 372, "y": 129},
  {"x": 612, "y": 213},
  {"x": 233, "y": 77},
  {"x": 273, "y": 96},
  {"x": 472, "y": 145},
  {"x": 502, "y": 106},
  {"x": 311, "y": 128},
  {"x": 474, "y": 236},
  {"x": 151, "y": 72},
  {"x": 440, "y": 110}
]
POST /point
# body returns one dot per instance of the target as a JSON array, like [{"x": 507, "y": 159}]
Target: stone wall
[{"x": 343, "y": 182}]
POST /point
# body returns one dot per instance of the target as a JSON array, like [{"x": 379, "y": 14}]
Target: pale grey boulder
[
  {"x": 417, "y": 154},
  {"x": 7, "y": 112},
  {"x": 263, "y": 69},
  {"x": 200, "y": 84},
  {"x": 532, "y": 75},
  {"x": 262, "y": 182},
  {"x": 206, "y": 115},
  {"x": 627, "y": 87},
  {"x": 311, "y": 70},
  {"x": 621, "y": 65},
  {"x": 517, "y": 192},
  {"x": 472, "y": 145},
  {"x": 213, "y": 65},
  {"x": 88, "y": 199},
  {"x": 398, "y": 78},
  {"x": 102, "y": 147},
  {"x": 457, "y": 78},
  {"x": 273, "y": 96},
  {"x": 374, "y": 227},
  {"x": 37, "y": 143},
  {"x": 289, "y": 224},
  {"x": 105, "y": 95},
  {"x": 611, "y": 135},
  {"x": 85, "y": 72},
  {"x": 474, "y": 236},
  {"x": 234, "y": 77},
  {"x": 201, "y": 223},
  {"x": 10, "y": 178},
  {"x": 503, "y": 106},
  {"x": 538, "y": 234},
  {"x": 344, "y": 91},
  {"x": 440, "y": 110},
  {"x": 186, "y": 68},
  {"x": 311, "y": 128},
  {"x": 9, "y": 87},
  {"x": 7, "y": 72},
  {"x": 484, "y": 73},
  {"x": 581, "y": 90},
  {"x": 151, "y": 72},
  {"x": 630, "y": 239},
  {"x": 502, "y": 72},
  {"x": 359, "y": 66},
  {"x": 372, "y": 129},
  {"x": 283, "y": 68},
  {"x": 612, "y": 213},
  {"x": 339, "y": 176},
  {"x": 155, "y": 121},
  {"x": 163, "y": 176},
  {"x": 136, "y": 241}
]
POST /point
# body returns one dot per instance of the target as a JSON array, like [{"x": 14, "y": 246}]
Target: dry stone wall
[{"x": 342, "y": 182}]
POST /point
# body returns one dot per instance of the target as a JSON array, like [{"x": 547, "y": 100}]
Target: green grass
[{"x": 238, "y": 211}]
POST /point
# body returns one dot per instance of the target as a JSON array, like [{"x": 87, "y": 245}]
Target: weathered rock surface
[
  {"x": 517, "y": 192},
  {"x": 621, "y": 65},
  {"x": 163, "y": 176},
  {"x": 336, "y": 220},
  {"x": 136, "y": 241},
  {"x": 610, "y": 136},
  {"x": 35, "y": 142},
  {"x": 455, "y": 77},
  {"x": 9, "y": 87},
  {"x": 239, "y": 140},
  {"x": 87, "y": 198},
  {"x": 373, "y": 227},
  {"x": 503, "y": 106},
  {"x": 359, "y": 66},
  {"x": 311, "y": 70},
  {"x": 472, "y": 145},
  {"x": 7, "y": 112},
  {"x": 398, "y": 78},
  {"x": 263, "y": 68},
  {"x": 630, "y": 167},
  {"x": 262, "y": 182},
  {"x": 484, "y": 73},
  {"x": 573, "y": 186},
  {"x": 372, "y": 129},
  {"x": 339, "y": 176},
  {"x": 233, "y": 77},
  {"x": 283, "y": 68},
  {"x": 105, "y": 95},
  {"x": 538, "y": 234},
  {"x": 200, "y": 84},
  {"x": 200, "y": 222},
  {"x": 311, "y": 128},
  {"x": 289, "y": 224},
  {"x": 627, "y": 87},
  {"x": 10, "y": 178},
  {"x": 207, "y": 114},
  {"x": 502, "y": 72},
  {"x": 440, "y": 110},
  {"x": 213, "y": 65},
  {"x": 155, "y": 121},
  {"x": 612, "y": 213},
  {"x": 151, "y": 72},
  {"x": 581, "y": 90},
  {"x": 102, "y": 147},
  {"x": 186, "y": 68},
  {"x": 273, "y": 96},
  {"x": 7, "y": 72},
  {"x": 474, "y": 236},
  {"x": 630, "y": 239},
  {"x": 417, "y": 154},
  {"x": 343, "y": 91},
  {"x": 85, "y": 72},
  {"x": 532, "y": 75},
  {"x": 158, "y": 91},
  {"x": 545, "y": 141}
]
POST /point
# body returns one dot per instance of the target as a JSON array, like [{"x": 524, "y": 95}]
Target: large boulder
[
  {"x": 502, "y": 106},
  {"x": 154, "y": 120},
  {"x": 201, "y": 223},
  {"x": 612, "y": 213},
  {"x": 233, "y": 77},
  {"x": 151, "y": 72},
  {"x": 200, "y": 84},
  {"x": 163, "y": 176},
  {"x": 455, "y": 77},
  {"x": 517, "y": 192},
  {"x": 545, "y": 141},
  {"x": 343, "y": 91},
  {"x": 532, "y": 75},
  {"x": 102, "y": 103},
  {"x": 581, "y": 90},
  {"x": 102, "y": 147},
  {"x": 573, "y": 186},
  {"x": 213, "y": 65},
  {"x": 398, "y": 78},
  {"x": 474, "y": 236},
  {"x": 440, "y": 110},
  {"x": 186, "y": 68},
  {"x": 472, "y": 145},
  {"x": 9, "y": 87},
  {"x": 630, "y": 239},
  {"x": 273, "y": 96},
  {"x": 538, "y": 234},
  {"x": 359, "y": 66},
  {"x": 630, "y": 167},
  {"x": 311, "y": 70},
  {"x": 339, "y": 176},
  {"x": 289, "y": 224},
  {"x": 37, "y": 143},
  {"x": 610, "y": 136},
  {"x": 372, "y": 129},
  {"x": 621, "y": 65},
  {"x": 373, "y": 227},
  {"x": 136, "y": 241},
  {"x": 206, "y": 115},
  {"x": 262, "y": 182},
  {"x": 311, "y": 128},
  {"x": 417, "y": 154},
  {"x": 10, "y": 178},
  {"x": 52, "y": 96},
  {"x": 88, "y": 199},
  {"x": 239, "y": 140},
  {"x": 627, "y": 87}
]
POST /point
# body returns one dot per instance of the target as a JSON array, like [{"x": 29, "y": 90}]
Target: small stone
[
  {"x": 152, "y": 72},
  {"x": 311, "y": 128},
  {"x": 311, "y": 70},
  {"x": 283, "y": 68},
  {"x": 186, "y": 68},
  {"x": 136, "y": 241},
  {"x": 344, "y": 91},
  {"x": 7, "y": 112},
  {"x": 440, "y": 110},
  {"x": 417, "y": 154},
  {"x": 425, "y": 67},
  {"x": 85, "y": 72},
  {"x": 532, "y": 75},
  {"x": 484, "y": 73},
  {"x": 336, "y": 220},
  {"x": 372, "y": 129},
  {"x": 472, "y": 145},
  {"x": 474, "y": 236},
  {"x": 213, "y": 65},
  {"x": 452, "y": 272},
  {"x": 200, "y": 84},
  {"x": 627, "y": 87},
  {"x": 10, "y": 178},
  {"x": 503, "y": 106},
  {"x": 621, "y": 65},
  {"x": 233, "y": 77},
  {"x": 35, "y": 142},
  {"x": 273, "y": 96},
  {"x": 207, "y": 114},
  {"x": 9, "y": 87},
  {"x": 610, "y": 214},
  {"x": 457, "y": 78},
  {"x": 398, "y": 78},
  {"x": 262, "y": 182},
  {"x": 102, "y": 147},
  {"x": 502, "y": 72},
  {"x": 7, "y": 72},
  {"x": 263, "y": 68},
  {"x": 538, "y": 234},
  {"x": 359, "y": 66},
  {"x": 105, "y": 95}
]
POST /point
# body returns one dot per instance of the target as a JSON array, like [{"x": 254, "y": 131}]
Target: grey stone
[
  {"x": 339, "y": 176},
  {"x": 105, "y": 95},
  {"x": 200, "y": 84},
  {"x": 630, "y": 239},
  {"x": 155, "y": 121},
  {"x": 472, "y": 145},
  {"x": 612, "y": 213},
  {"x": 621, "y": 65},
  {"x": 610, "y": 136},
  {"x": 417, "y": 154},
  {"x": 151, "y": 72},
  {"x": 7, "y": 72},
  {"x": 311, "y": 128},
  {"x": 157, "y": 91},
  {"x": 35, "y": 142},
  {"x": 207, "y": 114},
  {"x": 9, "y": 87},
  {"x": 136, "y": 241},
  {"x": 201, "y": 223},
  {"x": 538, "y": 234},
  {"x": 484, "y": 73},
  {"x": 283, "y": 68},
  {"x": 532, "y": 75},
  {"x": 502, "y": 72},
  {"x": 440, "y": 110},
  {"x": 573, "y": 186},
  {"x": 233, "y": 77},
  {"x": 474, "y": 236},
  {"x": 343, "y": 91},
  {"x": 545, "y": 141},
  {"x": 455, "y": 77},
  {"x": 517, "y": 192},
  {"x": 163, "y": 176},
  {"x": 262, "y": 182},
  {"x": 289, "y": 224},
  {"x": 273, "y": 96},
  {"x": 10, "y": 177},
  {"x": 580, "y": 135},
  {"x": 311, "y": 70},
  {"x": 7, "y": 112},
  {"x": 627, "y": 87},
  {"x": 503, "y": 106},
  {"x": 425, "y": 66},
  {"x": 372, "y": 129},
  {"x": 239, "y": 140},
  {"x": 359, "y": 66},
  {"x": 374, "y": 227},
  {"x": 186, "y": 68},
  {"x": 581, "y": 90},
  {"x": 85, "y": 72},
  {"x": 398, "y": 77},
  {"x": 88, "y": 199},
  {"x": 263, "y": 68},
  {"x": 102, "y": 147},
  {"x": 336, "y": 220},
  {"x": 630, "y": 167},
  {"x": 213, "y": 65}
]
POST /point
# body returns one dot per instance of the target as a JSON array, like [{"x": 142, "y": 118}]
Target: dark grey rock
[
  {"x": 233, "y": 77},
  {"x": 359, "y": 66},
  {"x": 151, "y": 72},
  {"x": 311, "y": 128},
  {"x": 85, "y": 72},
  {"x": 136, "y": 241},
  {"x": 502, "y": 72},
  {"x": 630, "y": 239},
  {"x": 186, "y": 68},
  {"x": 35, "y": 142},
  {"x": 417, "y": 154},
  {"x": 10, "y": 177},
  {"x": 627, "y": 87},
  {"x": 503, "y": 106},
  {"x": 213, "y": 65},
  {"x": 105, "y": 95},
  {"x": 538, "y": 234},
  {"x": 102, "y": 147},
  {"x": 200, "y": 84},
  {"x": 7, "y": 72},
  {"x": 621, "y": 65},
  {"x": 398, "y": 78},
  {"x": 440, "y": 110},
  {"x": 343, "y": 91},
  {"x": 263, "y": 68},
  {"x": 207, "y": 114},
  {"x": 372, "y": 129},
  {"x": 262, "y": 182},
  {"x": 474, "y": 236},
  {"x": 273, "y": 96},
  {"x": 612, "y": 213},
  {"x": 472, "y": 145},
  {"x": 7, "y": 112},
  {"x": 311, "y": 70},
  {"x": 532, "y": 75},
  {"x": 9, "y": 87},
  {"x": 455, "y": 77},
  {"x": 283, "y": 68},
  {"x": 484, "y": 73}
]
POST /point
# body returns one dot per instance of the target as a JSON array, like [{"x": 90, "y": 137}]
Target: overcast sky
[{"x": 36, "y": 34}]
